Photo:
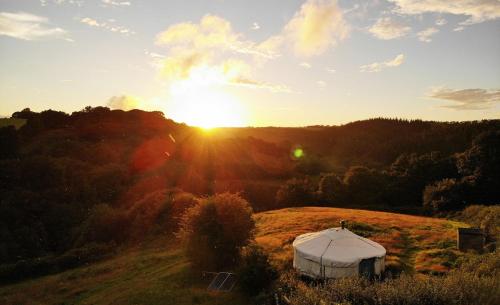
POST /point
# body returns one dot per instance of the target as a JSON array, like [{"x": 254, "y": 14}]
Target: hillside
[
  {"x": 158, "y": 273},
  {"x": 413, "y": 243}
]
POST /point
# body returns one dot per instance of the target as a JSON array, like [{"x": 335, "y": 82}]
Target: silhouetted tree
[
  {"x": 216, "y": 229},
  {"x": 296, "y": 192},
  {"x": 445, "y": 195},
  {"x": 331, "y": 189}
]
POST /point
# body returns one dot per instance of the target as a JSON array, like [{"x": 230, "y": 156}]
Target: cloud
[
  {"x": 28, "y": 27},
  {"x": 477, "y": 11},
  {"x": 90, "y": 21},
  {"x": 110, "y": 26},
  {"x": 425, "y": 35},
  {"x": 321, "y": 83},
  {"x": 78, "y": 3},
  {"x": 179, "y": 65},
  {"x": 260, "y": 85},
  {"x": 305, "y": 65},
  {"x": 441, "y": 22},
  {"x": 124, "y": 102},
  {"x": 379, "y": 66},
  {"x": 331, "y": 70},
  {"x": 317, "y": 26},
  {"x": 467, "y": 99},
  {"x": 386, "y": 28},
  {"x": 115, "y": 3},
  {"x": 213, "y": 33},
  {"x": 255, "y": 26},
  {"x": 212, "y": 53}
]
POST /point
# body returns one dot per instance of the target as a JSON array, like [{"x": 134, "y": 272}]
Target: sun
[{"x": 201, "y": 100}]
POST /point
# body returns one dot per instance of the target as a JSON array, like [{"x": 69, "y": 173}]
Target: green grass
[
  {"x": 17, "y": 123},
  {"x": 153, "y": 274}
]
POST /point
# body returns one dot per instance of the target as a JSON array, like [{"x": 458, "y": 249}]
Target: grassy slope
[
  {"x": 413, "y": 243},
  {"x": 154, "y": 274},
  {"x": 159, "y": 273}
]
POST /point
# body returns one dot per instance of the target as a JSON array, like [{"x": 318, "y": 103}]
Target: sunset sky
[{"x": 258, "y": 63}]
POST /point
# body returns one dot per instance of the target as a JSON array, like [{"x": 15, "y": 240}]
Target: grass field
[
  {"x": 159, "y": 273},
  {"x": 17, "y": 123},
  {"x": 154, "y": 274},
  {"x": 413, "y": 243}
]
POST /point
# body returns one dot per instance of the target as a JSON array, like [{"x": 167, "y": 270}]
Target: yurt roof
[{"x": 336, "y": 247}]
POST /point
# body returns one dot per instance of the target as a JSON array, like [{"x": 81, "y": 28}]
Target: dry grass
[{"x": 413, "y": 243}]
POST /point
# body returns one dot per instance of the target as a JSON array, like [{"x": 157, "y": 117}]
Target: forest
[{"x": 75, "y": 185}]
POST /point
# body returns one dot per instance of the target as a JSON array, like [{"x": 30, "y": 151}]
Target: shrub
[
  {"x": 104, "y": 224},
  {"x": 216, "y": 229},
  {"x": 255, "y": 273},
  {"x": 485, "y": 217}
]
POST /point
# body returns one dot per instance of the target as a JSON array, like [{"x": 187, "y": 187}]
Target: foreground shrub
[
  {"x": 216, "y": 229},
  {"x": 255, "y": 273}
]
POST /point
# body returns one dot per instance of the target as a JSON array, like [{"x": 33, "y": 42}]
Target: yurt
[{"x": 336, "y": 253}]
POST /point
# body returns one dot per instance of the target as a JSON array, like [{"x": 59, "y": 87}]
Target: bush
[
  {"x": 255, "y": 273},
  {"x": 104, "y": 224},
  {"x": 216, "y": 229},
  {"x": 485, "y": 217},
  {"x": 159, "y": 212}
]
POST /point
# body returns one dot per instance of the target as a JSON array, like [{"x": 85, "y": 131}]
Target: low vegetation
[{"x": 475, "y": 281}]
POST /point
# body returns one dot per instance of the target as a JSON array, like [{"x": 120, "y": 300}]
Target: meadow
[{"x": 157, "y": 272}]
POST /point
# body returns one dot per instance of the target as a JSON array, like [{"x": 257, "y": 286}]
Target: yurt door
[{"x": 367, "y": 267}]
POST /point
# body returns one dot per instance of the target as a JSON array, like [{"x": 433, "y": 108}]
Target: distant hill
[{"x": 374, "y": 142}]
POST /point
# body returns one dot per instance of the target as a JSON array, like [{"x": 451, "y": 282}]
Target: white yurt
[{"x": 336, "y": 253}]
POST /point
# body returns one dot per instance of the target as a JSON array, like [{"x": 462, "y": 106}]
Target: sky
[{"x": 254, "y": 63}]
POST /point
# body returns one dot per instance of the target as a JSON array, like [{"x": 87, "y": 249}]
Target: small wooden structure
[{"x": 470, "y": 239}]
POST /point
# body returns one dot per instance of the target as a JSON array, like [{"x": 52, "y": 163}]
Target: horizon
[
  {"x": 254, "y": 64},
  {"x": 280, "y": 126}
]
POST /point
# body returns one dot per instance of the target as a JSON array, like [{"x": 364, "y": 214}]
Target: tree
[
  {"x": 331, "y": 188},
  {"x": 216, "y": 229},
  {"x": 364, "y": 185},
  {"x": 444, "y": 195},
  {"x": 296, "y": 192},
  {"x": 481, "y": 165}
]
